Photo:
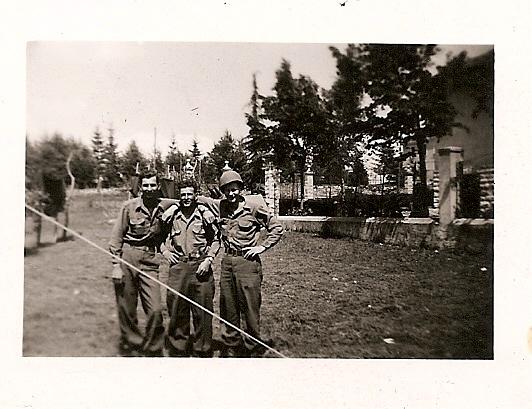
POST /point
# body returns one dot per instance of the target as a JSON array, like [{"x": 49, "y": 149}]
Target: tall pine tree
[
  {"x": 110, "y": 155},
  {"x": 256, "y": 143},
  {"x": 195, "y": 152},
  {"x": 225, "y": 149},
  {"x": 174, "y": 159},
  {"x": 98, "y": 150}
]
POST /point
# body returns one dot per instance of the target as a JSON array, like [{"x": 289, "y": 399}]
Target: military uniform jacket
[
  {"x": 136, "y": 226},
  {"x": 241, "y": 223},
  {"x": 195, "y": 236}
]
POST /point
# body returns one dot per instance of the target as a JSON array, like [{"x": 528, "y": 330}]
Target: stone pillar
[
  {"x": 309, "y": 185},
  {"x": 409, "y": 184},
  {"x": 436, "y": 190},
  {"x": 486, "y": 192},
  {"x": 272, "y": 188},
  {"x": 449, "y": 159}
]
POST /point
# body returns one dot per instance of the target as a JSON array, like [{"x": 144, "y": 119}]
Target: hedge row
[{"x": 354, "y": 205}]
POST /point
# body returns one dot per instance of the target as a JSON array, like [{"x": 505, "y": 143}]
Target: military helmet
[{"x": 230, "y": 176}]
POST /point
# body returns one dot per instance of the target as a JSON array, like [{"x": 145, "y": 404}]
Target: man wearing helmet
[{"x": 240, "y": 220}]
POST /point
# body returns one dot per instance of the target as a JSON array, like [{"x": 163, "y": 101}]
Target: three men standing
[{"x": 189, "y": 236}]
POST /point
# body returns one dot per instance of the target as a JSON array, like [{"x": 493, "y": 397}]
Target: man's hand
[
  {"x": 204, "y": 267},
  {"x": 168, "y": 213},
  {"x": 250, "y": 252},
  {"x": 171, "y": 257},
  {"x": 215, "y": 192},
  {"x": 117, "y": 275}
]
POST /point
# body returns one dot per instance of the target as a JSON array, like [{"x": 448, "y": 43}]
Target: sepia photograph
[
  {"x": 259, "y": 200},
  {"x": 291, "y": 204}
]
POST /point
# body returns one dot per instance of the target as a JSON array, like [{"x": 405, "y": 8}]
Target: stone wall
[
  {"x": 487, "y": 187},
  {"x": 465, "y": 234}
]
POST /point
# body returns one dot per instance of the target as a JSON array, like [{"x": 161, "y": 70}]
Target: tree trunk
[
  {"x": 355, "y": 193},
  {"x": 69, "y": 194},
  {"x": 302, "y": 189},
  {"x": 422, "y": 209},
  {"x": 342, "y": 196},
  {"x": 293, "y": 189}
]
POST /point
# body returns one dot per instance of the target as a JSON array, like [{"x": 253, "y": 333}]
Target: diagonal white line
[{"x": 258, "y": 341}]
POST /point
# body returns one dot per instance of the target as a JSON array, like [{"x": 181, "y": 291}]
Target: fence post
[
  {"x": 449, "y": 158},
  {"x": 37, "y": 228},
  {"x": 309, "y": 185},
  {"x": 272, "y": 188}
]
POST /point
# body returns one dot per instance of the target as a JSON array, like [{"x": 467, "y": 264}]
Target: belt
[
  {"x": 190, "y": 257},
  {"x": 145, "y": 248},
  {"x": 233, "y": 252}
]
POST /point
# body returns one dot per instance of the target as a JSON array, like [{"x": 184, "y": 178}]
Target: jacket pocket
[
  {"x": 139, "y": 226},
  {"x": 197, "y": 228},
  {"x": 245, "y": 224}
]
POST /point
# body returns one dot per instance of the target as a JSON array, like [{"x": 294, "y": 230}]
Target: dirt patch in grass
[{"x": 322, "y": 298}]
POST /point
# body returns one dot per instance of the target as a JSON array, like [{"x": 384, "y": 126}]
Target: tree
[
  {"x": 98, "y": 150},
  {"x": 474, "y": 77},
  {"x": 195, "y": 152},
  {"x": 357, "y": 174},
  {"x": 388, "y": 166},
  {"x": 48, "y": 158},
  {"x": 256, "y": 142},
  {"x": 133, "y": 156},
  {"x": 52, "y": 154},
  {"x": 296, "y": 117},
  {"x": 33, "y": 170},
  {"x": 158, "y": 162},
  {"x": 408, "y": 102},
  {"x": 346, "y": 118},
  {"x": 111, "y": 160},
  {"x": 225, "y": 149},
  {"x": 174, "y": 159},
  {"x": 83, "y": 166}
]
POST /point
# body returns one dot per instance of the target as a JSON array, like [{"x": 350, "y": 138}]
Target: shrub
[{"x": 354, "y": 205}]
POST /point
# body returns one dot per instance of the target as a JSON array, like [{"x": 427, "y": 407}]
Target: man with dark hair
[
  {"x": 192, "y": 243},
  {"x": 136, "y": 238}
]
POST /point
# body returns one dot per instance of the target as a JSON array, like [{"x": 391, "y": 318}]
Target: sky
[{"x": 190, "y": 90}]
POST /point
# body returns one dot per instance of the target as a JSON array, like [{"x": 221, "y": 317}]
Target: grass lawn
[{"x": 323, "y": 298}]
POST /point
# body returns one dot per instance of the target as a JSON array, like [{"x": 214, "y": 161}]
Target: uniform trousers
[
  {"x": 240, "y": 300},
  {"x": 182, "y": 277},
  {"x": 135, "y": 286}
]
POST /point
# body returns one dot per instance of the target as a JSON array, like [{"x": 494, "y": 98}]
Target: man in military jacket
[
  {"x": 192, "y": 243},
  {"x": 241, "y": 220},
  {"x": 136, "y": 238}
]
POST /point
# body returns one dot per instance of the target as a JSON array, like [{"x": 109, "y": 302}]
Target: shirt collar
[
  {"x": 243, "y": 207},
  {"x": 139, "y": 207},
  {"x": 195, "y": 214}
]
